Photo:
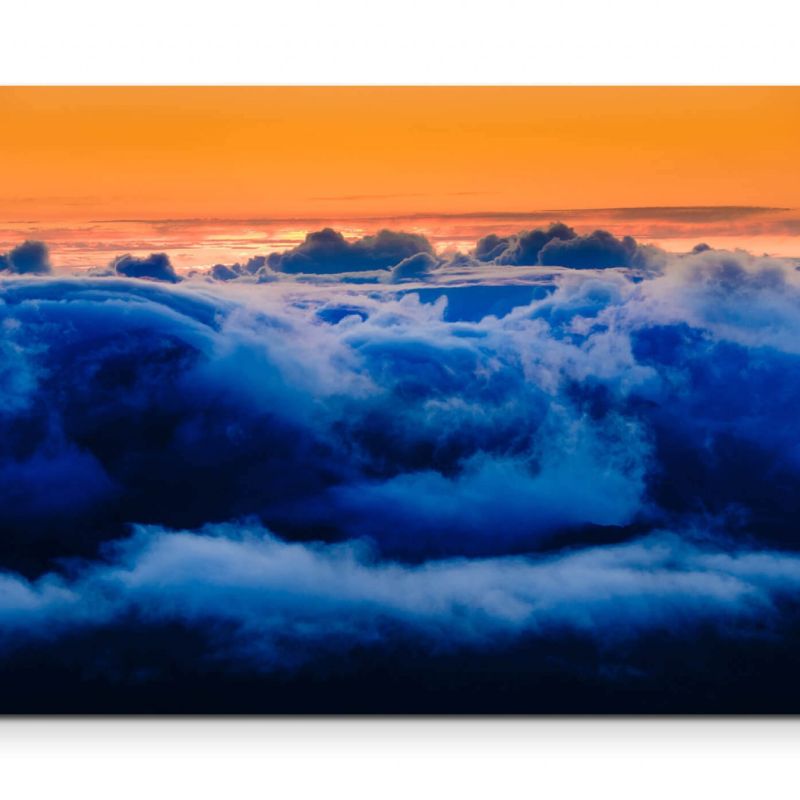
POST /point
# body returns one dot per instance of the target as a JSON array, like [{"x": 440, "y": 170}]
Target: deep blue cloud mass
[{"x": 561, "y": 490}]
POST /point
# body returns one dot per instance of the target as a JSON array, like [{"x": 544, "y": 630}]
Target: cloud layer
[
  {"x": 282, "y": 600},
  {"x": 500, "y": 462}
]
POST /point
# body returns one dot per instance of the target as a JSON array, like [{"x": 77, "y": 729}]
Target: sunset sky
[{"x": 216, "y": 174}]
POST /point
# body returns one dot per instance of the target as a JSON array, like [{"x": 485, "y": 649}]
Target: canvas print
[{"x": 399, "y": 400}]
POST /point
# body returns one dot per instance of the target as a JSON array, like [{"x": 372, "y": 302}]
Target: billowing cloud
[
  {"x": 553, "y": 472},
  {"x": 156, "y": 267},
  {"x": 524, "y": 248},
  {"x": 490, "y": 247},
  {"x": 416, "y": 267},
  {"x": 598, "y": 250},
  {"x": 292, "y": 597},
  {"x": 521, "y": 249},
  {"x": 327, "y": 251},
  {"x": 205, "y": 406},
  {"x": 631, "y": 626},
  {"x": 253, "y": 266},
  {"x": 221, "y": 272},
  {"x": 560, "y": 246},
  {"x": 28, "y": 258}
]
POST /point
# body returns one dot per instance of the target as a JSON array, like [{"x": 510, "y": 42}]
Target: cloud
[
  {"x": 560, "y": 246},
  {"x": 220, "y": 272},
  {"x": 253, "y": 266},
  {"x": 327, "y": 251},
  {"x": 490, "y": 247},
  {"x": 566, "y": 491},
  {"x": 156, "y": 267},
  {"x": 521, "y": 249},
  {"x": 598, "y": 250},
  {"x": 28, "y": 258},
  {"x": 272, "y": 605},
  {"x": 524, "y": 248},
  {"x": 595, "y": 402},
  {"x": 483, "y": 463},
  {"x": 416, "y": 267}
]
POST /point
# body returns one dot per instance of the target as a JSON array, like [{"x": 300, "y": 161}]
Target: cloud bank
[
  {"x": 281, "y": 599},
  {"x": 533, "y": 473}
]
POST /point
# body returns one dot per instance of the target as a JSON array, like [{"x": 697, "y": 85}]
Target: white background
[
  {"x": 412, "y": 41},
  {"x": 383, "y": 760},
  {"x": 416, "y": 41}
]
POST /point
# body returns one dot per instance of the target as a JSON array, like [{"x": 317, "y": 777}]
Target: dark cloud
[
  {"x": 29, "y": 258},
  {"x": 596, "y": 629},
  {"x": 559, "y": 245},
  {"x": 521, "y": 249},
  {"x": 156, "y": 267},
  {"x": 597, "y": 250},
  {"x": 490, "y": 247},
  {"x": 327, "y": 251},
  {"x": 524, "y": 248},
  {"x": 220, "y": 272},
  {"x": 416, "y": 267},
  {"x": 253, "y": 266},
  {"x": 154, "y": 416}
]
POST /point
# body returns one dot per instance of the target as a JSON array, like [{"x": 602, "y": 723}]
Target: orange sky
[{"x": 262, "y": 165}]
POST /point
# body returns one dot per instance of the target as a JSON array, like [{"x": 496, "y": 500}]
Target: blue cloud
[
  {"x": 327, "y": 251},
  {"x": 414, "y": 268},
  {"x": 491, "y": 246},
  {"x": 253, "y": 266},
  {"x": 521, "y": 249},
  {"x": 28, "y": 258},
  {"x": 199, "y": 408},
  {"x": 598, "y": 250},
  {"x": 482, "y": 464},
  {"x": 156, "y": 267},
  {"x": 278, "y": 604}
]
